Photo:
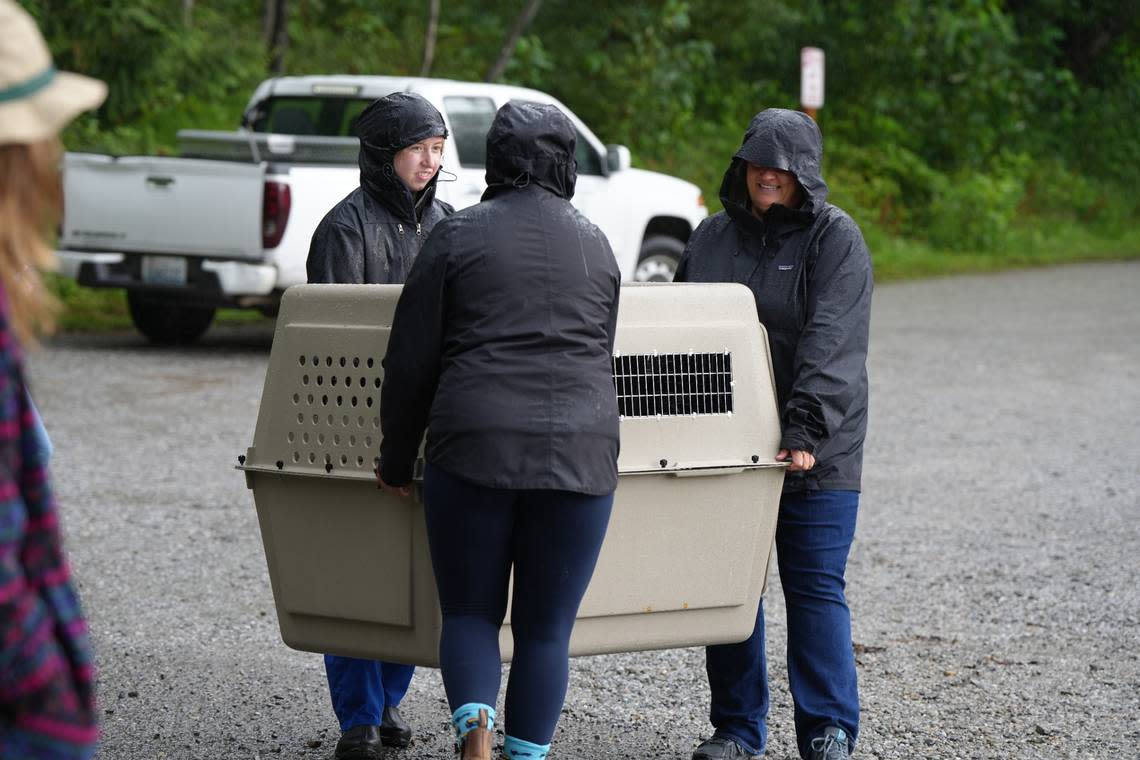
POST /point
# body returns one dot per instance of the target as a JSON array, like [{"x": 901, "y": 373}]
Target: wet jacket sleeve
[
  {"x": 336, "y": 254},
  {"x": 412, "y": 363},
  {"x": 695, "y": 242},
  {"x": 831, "y": 354},
  {"x": 682, "y": 273}
]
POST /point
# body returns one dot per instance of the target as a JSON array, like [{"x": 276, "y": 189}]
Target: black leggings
[{"x": 476, "y": 534}]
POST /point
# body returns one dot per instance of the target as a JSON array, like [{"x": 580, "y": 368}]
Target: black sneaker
[
  {"x": 360, "y": 743},
  {"x": 394, "y": 730},
  {"x": 722, "y": 748},
  {"x": 831, "y": 746}
]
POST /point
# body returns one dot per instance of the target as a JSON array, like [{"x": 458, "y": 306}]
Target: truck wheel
[
  {"x": 165, "y": 320},
  {"x": 660, "y": 255}
]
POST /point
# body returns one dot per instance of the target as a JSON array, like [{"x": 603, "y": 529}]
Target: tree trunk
[
  {"x": 521, "y": 23},
  {"x": 429, "y": 38},
  {"x": 267, "y": 21},
  {"x": 277, "y": 34},
  {"x": 187, "y": 12}
]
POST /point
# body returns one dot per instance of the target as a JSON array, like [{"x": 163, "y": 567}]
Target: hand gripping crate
[{"x": 687, "y": 553}]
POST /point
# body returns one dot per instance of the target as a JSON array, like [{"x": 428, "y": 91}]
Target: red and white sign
[{"x": 811, "y": 77}]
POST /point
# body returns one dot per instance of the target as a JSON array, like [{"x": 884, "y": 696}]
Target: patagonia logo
[{"x": 786, "y": 267}]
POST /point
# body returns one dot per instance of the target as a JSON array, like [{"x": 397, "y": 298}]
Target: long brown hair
[{"x": 31, "y": 200}]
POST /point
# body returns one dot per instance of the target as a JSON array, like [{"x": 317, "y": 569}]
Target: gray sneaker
[
  {"x": 831, "y": 746},
  {"x": 722, "y": 748}
]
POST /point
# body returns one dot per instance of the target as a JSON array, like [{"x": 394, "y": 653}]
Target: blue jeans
[
  {"x": 552, "y": 540},
  {"x": 361, "y": 689},
  {"x": 813, "y": 537}
]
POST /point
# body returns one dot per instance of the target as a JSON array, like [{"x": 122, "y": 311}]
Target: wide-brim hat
[{"x": 36, "y": 100}]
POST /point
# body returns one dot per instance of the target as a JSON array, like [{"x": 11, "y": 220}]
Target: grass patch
[
  {"x": 105, "y": 309},
  {"x": 1025, "y": 247},
  {"x": 89, "y": 309}
]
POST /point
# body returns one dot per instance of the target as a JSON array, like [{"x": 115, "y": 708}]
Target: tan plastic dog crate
[{"x": 687, "y": 553}]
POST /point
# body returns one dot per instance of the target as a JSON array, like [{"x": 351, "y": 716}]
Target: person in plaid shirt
[{"x": 47, "y": 693}]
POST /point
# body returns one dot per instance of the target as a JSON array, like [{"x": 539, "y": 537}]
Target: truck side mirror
[{"x": 617, "y": 158}]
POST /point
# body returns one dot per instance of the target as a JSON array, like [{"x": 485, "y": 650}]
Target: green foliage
[
  {"x": 159, "y": 70},
  {"x": 1055, "y": 194},
  {"x": 972, "y": 211},
  {"x": 956, "y": 126},
  {"x": 946, "y": 70},
  {"x": 354, "y": 37}
]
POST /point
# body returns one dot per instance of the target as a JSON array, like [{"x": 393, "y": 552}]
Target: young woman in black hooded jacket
[
  {"x": 807, "y": 264},
  {"x": 373, "y": 236}
]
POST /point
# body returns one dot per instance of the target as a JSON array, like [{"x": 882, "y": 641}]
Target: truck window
[
  {"x": 470, "y": 119},
  {"x": 589, "y": 162},
  {"x": 352, "y": 112},
  {"x": 308, "y": 115}
]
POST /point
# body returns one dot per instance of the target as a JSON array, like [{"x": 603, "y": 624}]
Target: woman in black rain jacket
[
  {"x": 810, "y": 271},
  {"x": 372, "y": 236},
  {"x": 501, "y": 347}
]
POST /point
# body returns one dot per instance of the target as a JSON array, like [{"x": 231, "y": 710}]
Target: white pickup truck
[{"x": 228, "y": 222}]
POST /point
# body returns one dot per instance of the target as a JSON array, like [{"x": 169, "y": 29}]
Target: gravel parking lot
[{"x": 995, "y": 578}]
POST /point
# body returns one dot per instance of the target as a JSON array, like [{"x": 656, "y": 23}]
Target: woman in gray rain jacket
[
  {"x": 807, "y": 264},
  {"x": 372, "y": 236},
  {"x": 501, "y": 346}
]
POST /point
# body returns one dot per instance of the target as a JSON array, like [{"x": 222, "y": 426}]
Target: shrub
[{"x": 973, "y": 211}]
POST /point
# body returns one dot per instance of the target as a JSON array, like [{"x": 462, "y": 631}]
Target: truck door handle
[{"x": 158, "y": 181}]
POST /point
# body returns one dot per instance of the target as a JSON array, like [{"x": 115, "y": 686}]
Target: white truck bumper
[
  {"x": 70, "y": 261},
  {"x": 234, "y": 278},
  {"x": 243, "y": 279}
]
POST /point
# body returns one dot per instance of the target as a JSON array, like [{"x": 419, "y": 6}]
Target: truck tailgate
[{"x": 162, "y": 205}]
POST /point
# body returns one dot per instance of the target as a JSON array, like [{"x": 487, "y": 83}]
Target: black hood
[
  {"x": 386, "y": 127},
  {"x": 780, "y": 139},
  {"x": 531, "y": 143}
]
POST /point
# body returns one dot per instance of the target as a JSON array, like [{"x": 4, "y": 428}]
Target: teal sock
[
  {"x": 466, "y": 717},
  {"x": 520, "y": 749}
]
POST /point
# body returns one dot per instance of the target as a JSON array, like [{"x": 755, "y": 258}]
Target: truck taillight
[{"x": 275, "y": 205}]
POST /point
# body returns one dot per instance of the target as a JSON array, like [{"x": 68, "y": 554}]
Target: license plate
[{"x": 164, "y": 270}]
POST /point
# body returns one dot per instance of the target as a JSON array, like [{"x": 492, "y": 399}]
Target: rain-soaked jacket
[
  {"x": 502, "y": 340},
  {"x": 374, "y": 234},
  {"x": 810, "y": 272}
]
